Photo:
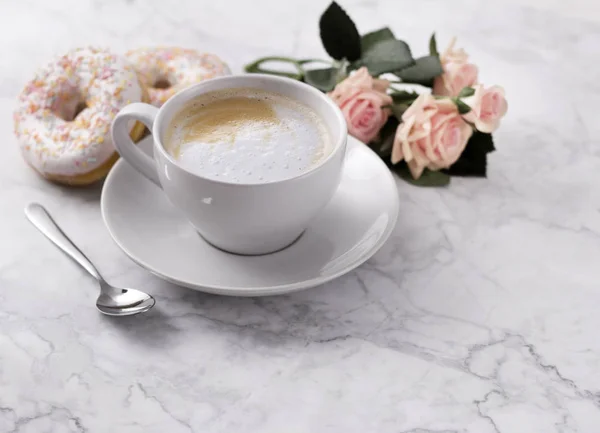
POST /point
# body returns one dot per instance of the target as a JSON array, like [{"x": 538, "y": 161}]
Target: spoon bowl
[{"x": 112, "y": 301}]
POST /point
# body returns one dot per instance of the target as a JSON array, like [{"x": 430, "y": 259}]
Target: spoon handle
[{"x": 41, "y": 219}]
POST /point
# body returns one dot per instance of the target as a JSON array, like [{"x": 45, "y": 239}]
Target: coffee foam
[{"x": 247, "y": 136}]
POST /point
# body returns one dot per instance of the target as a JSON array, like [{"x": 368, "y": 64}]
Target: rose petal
[
  {"x": 380, "y": 85},
  {"x": 416, "y": 170}
]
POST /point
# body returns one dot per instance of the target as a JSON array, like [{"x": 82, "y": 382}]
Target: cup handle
[{"x": 146, "y": 114}]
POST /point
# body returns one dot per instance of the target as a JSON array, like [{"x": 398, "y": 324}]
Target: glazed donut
[
  {"x": 166, "y": 70},
  {"x": 63, "y": 115}
]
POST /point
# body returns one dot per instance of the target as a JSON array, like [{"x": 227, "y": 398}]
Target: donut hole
[
  {"x": 162, "y": 83},
  {"x": 70, "y": 106},
  {"x": 79, "y": 108}
]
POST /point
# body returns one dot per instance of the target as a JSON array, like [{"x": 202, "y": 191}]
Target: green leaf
[
  {"x": 433, "y": 51},
  {"x": 466, "y": 92},
  {"x": 339, "y": 34},
  {"x": 423, "y": 71},
  {"x": 255, "y": 67},
  {"x": 482, "y": 141},
  {"x": 427, "y": 179},
  {"x": 387, "y": 56},
  {"x": 403, "y": 95},
  {"x": 306, "y": 61},
  {"x": 322, "y": 79},
  {"x": 462, "y": 107},
  {"x": 399, "y": 109},
  {"x": 370, "y": 39},
  {"x": 402, "y": 100},
  {"x": 473, "y": 160},
  {"x": 384, "y": 143}
]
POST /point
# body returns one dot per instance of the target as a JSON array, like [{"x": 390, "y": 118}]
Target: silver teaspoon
[{"x": 112, "y": 301}]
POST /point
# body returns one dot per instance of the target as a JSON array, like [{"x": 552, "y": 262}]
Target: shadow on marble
[
  {"x": 340, "y": 308},
  {"x": 150, "y": 329},
  {"x": 89, "y": 193}
]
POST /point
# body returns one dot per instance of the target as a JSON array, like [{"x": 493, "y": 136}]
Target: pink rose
[
  {"x": 432, "y": 134},
  {"x": 458, "y": 73},
  {"x": 358, "y": 80},
  {"x": 488, "y": 106},
  {"x": 361, "y": 99}
]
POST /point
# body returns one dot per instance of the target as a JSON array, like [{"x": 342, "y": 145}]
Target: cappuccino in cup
[{"x": 247, "y": 136}]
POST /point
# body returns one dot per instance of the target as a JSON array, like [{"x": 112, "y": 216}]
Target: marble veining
[{"x": 480, "y": 315}]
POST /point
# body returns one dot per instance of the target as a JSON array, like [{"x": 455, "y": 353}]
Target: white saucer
[{"x": 352, "y": 227}]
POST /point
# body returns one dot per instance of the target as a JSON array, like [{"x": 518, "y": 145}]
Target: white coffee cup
[{"x": 236, "y": 217}]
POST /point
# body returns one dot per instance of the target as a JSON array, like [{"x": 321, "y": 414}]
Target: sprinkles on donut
[
  {"x": 166, "y": 70},
  {"x": 63, "y": 115}
]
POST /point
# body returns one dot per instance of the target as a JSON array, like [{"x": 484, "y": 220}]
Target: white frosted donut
[
  {"x": 56, "y": 138},
  {"x": 166, "y": 70}
]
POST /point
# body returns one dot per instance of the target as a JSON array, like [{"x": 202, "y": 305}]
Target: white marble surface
[{"x": 480, "y": 315}]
